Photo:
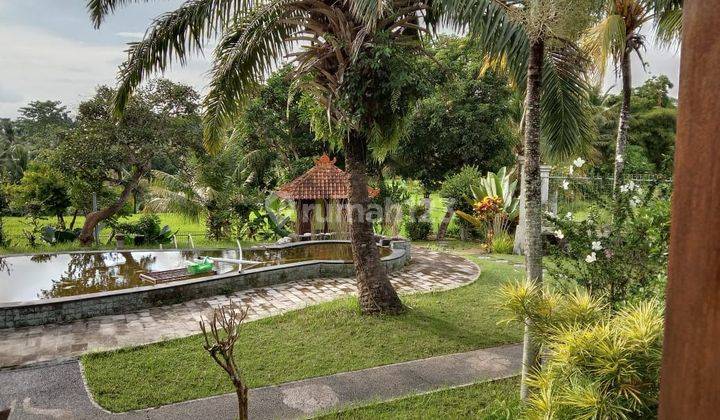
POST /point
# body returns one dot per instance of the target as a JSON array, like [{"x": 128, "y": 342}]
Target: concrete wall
[{"x": 127, "y": 300}]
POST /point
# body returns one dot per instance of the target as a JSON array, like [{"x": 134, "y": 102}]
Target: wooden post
[{"x": 690, "y": 379}]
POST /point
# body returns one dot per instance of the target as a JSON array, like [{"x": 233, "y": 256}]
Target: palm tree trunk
[
  {"x": 531, "y": 182},
  {"x": 624, "y": 121},
  {"x": 375, "y": 293}
]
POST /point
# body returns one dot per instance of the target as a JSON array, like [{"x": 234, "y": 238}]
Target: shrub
[
  {"x": 596, "y": 364},
  {"x": 147, "y": 230},
  {"x": 502, "y": 243},
  {"x": 457, "y": 188},
  {"x": 418, "y": 227},
  {"x": 621, "y": 258}
]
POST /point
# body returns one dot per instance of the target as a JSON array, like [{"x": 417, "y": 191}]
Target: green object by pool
[{"x": 200, "y": 267}]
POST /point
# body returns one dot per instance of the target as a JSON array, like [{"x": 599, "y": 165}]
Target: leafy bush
[
  {"x": 392, "y": 197},
  {"x": 147, "y": 230},
  {"x": 418, "y": 227},
  {"x": 620, "y": 257},
  {"x": 596, "y": 364},
  {"x": 502, "y": 243},
  {"x": 499, "y": 185},
  {"x": 457, "y": 188},
  {"x": 494, "y": 205},
  {"x": 58, "y": 236}
]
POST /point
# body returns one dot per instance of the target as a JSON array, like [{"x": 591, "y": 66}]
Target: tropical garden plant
[
  {"x": 596, "y": 363},
  {"x": 618, "y": 259},
  {"x": 495, "y": 206}
]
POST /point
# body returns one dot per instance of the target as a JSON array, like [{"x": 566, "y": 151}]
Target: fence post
[{"x": 544, "y": 184}]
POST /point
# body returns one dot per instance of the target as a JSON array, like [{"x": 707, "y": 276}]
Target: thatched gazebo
[{"x": 320, "y": 196}]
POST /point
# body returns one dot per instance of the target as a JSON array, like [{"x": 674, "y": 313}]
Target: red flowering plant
[{"x": 495, "y": 208}]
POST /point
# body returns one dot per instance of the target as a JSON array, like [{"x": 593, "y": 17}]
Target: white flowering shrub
[{"x": 619, "y": 251}]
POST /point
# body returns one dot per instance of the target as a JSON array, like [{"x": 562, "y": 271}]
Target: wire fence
[{"x": 575, "y": 194}]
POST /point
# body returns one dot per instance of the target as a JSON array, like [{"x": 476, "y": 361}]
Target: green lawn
[
  {"x": 14, "y": 227},
  {"x": 319, "y": 340},
  {"x": 486, "y": 400}
]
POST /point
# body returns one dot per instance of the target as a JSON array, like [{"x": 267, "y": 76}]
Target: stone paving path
[
  {"x": 428, "y": 271},
  {"x": 56, "y": 391}
]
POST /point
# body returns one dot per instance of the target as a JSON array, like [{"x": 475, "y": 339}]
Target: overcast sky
[{"x": 49, "y": 50}]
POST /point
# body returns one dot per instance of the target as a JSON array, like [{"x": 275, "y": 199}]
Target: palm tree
[
  {"x": 175, "y": 194},
  {"x": 616, "y": 36},
  {"x": 534, "y": 41},
  {"x": 342, "y": 59}
]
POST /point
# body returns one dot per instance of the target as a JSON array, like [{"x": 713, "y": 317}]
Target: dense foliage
[
  {"x": 418, "y": 226},
  {"x": 596, "y": 363},
  {"x": 620, "y": 258},
  {"x": 464, "y": 120},
  {"x": 652, "y": 129}
]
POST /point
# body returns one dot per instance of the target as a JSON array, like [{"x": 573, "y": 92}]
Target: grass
[
  {"x": 14, "y": 229},
  {"x": 486, "y": 400},
  {"x": 319, "y": 340}
]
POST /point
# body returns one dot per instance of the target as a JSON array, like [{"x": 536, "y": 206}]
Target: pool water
[{"x": 46, "y": 276}]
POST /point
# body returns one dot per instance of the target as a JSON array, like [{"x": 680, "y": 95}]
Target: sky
[{"x": 50, "y": 51}]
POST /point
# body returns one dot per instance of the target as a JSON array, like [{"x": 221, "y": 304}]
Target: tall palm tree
[
  {"x": 341, "y": 55},
  {"x": 534, "y": 41},
  {"x": 616, "y": 36}
]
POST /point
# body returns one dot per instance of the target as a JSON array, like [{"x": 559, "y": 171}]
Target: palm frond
[
  {"x": 162, "y": 200},
  {"x": 246, "y": 53},
  {"x": 668, "y": 21},
  {"x": 493, "y": 31},
  {"x": 99, "y": 9},
  {"x": 606, "y": 39},
  {"x": 172, "y": 37},
  {"x": 567, "y": 124}
]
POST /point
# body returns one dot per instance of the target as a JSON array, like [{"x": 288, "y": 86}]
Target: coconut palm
[
  {"x": 615, "y": 37},
  {"x": 351, "y": 61},
  {"x": 534, "y": 41},
  {"x": 175, "y": 194}
]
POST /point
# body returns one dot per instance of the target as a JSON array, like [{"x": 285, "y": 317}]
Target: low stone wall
[{"x": 113, "y": 302}]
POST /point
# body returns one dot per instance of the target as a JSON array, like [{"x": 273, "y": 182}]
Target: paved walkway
[
  {"x": 428, "y": 271},
  {"x": 57, "y": 391}
]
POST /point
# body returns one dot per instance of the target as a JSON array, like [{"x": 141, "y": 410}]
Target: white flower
[
  {"x": 579, "y": 162},
  {"x": 571, "y": 169},
  {"x": 591, "y": 258},
  {"x": 635, "y": 201},
  {"x": 596, "y": 246},
  {"x": 568, "y": 215},
  {"x": 619, "y": 158},
  {"x": 630, "y": 186},
  {"x": 559, "y": 234},
  {"x": 565, "y": 185}
]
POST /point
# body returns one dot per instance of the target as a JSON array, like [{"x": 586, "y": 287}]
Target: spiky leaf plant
[{"x": 596, "y": 364}]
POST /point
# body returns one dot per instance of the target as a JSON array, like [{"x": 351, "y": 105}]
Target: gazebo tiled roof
[{"x": 323, "y": 181}]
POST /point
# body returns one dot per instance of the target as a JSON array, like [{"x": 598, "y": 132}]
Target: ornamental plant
[
  {"x": 494, "y": 205},
  {"x": 618, "y": 258},
  {"x": 597, "y": 364}
]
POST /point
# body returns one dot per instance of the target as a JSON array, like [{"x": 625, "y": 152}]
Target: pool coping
[{"x": 112, "y": 302}]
